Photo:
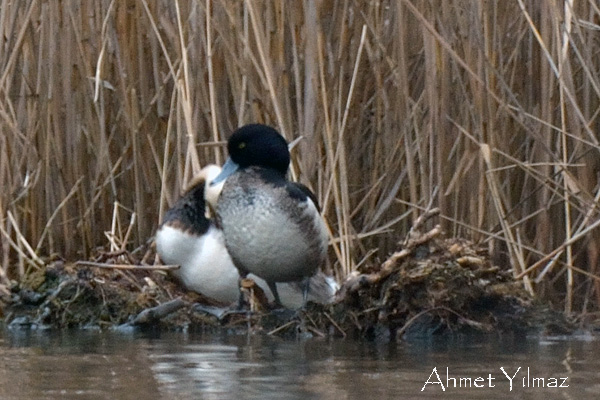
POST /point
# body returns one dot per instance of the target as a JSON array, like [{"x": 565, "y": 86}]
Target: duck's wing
[{"x": 300, "y": 191}]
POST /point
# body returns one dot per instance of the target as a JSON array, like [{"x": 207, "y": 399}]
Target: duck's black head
[{"x": 259, "y": 145}]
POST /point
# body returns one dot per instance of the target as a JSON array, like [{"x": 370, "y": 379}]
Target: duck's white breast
[{"x": 206, "y": 266}]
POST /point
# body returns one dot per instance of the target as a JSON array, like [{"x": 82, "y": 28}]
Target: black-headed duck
[{"x": 272, "y": 227}]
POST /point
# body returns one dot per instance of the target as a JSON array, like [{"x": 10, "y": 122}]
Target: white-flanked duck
[
  {"x": 272, "y": 227},
  {"x": 187, "y": 237}
]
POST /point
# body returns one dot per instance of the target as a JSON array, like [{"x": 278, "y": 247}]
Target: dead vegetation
[
  {"x": 430, "y": 286},
  {"x": 485, "y": 110}
]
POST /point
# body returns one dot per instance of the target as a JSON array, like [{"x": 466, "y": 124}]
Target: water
[{"x": 95, "y": 365}]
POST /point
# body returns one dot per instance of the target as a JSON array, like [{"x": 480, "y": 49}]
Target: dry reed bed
[{"x": 487, "y": 110}]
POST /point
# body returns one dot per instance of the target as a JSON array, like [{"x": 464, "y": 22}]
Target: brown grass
[{"x": 487, "y": 110}]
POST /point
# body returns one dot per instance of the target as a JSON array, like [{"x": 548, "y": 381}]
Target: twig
[
  {"x": 468, "y": 321},
  {"x": 56, "y": 292},
  {"x": 254, "y": 294},
  {"x": 408, "y": 323},
  {"x": 63, "y": 202},
  {"x": 282, "y": 327},
  {"x": 411, "y": 243},
  {"x": 154, "y": 314},
  {"x": 315, "y": 331},
  {"x": 335, "y": 324},
  {"x": 127, "y": 266},
  {"x": 415, "y": 231},
  {"x": 354, "y": 282},
  {"x": 581, "y": 235},
  {"x": 21, "y": 239}
]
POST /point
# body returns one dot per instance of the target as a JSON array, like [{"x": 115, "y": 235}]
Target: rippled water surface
[{"x": 94, "y": 365}]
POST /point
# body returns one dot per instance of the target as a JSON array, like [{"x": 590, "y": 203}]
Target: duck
[
  {"x": 190, "y": 238},
  {"x": 272, "y": 227}
]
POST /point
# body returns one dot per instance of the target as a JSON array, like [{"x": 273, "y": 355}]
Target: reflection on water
[{"x": 94, "y": 365}]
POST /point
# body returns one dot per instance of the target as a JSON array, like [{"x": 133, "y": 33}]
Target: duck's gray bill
[{"x": 229, "y": 168}]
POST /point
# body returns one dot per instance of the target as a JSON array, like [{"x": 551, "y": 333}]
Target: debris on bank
[
  {"x": 429, "y": 286},
  {"x": 433, "y": 286}
]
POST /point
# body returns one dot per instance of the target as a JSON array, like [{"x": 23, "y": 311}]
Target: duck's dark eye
[{"x": 241, "y": 145}]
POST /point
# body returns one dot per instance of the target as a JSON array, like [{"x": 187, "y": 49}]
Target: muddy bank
[{"x": 430, "y": 286}]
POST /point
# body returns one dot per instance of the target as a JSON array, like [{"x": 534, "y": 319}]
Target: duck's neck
[{"x": 189, "y": 212}]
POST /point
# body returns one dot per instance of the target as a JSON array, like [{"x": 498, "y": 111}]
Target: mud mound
[{"x": 430, "y": 286}]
